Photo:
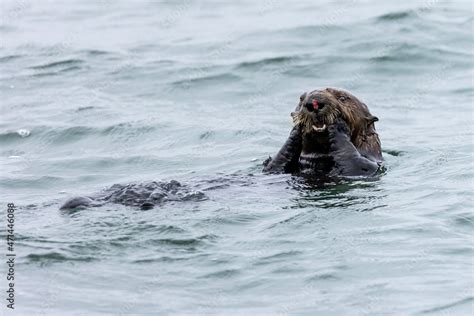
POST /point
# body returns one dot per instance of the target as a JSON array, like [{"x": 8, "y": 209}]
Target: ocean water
[{"x": 96, "y": 93}]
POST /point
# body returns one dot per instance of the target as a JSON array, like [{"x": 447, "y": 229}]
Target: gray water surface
[{"x": 95, "y": 93}]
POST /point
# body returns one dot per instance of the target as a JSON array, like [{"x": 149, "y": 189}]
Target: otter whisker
[{"x": 300, "y": 118}]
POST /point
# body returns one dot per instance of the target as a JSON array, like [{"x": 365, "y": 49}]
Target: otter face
[
  {"x": 322, "y": 107},
  {"x": 317, "y": 109}
]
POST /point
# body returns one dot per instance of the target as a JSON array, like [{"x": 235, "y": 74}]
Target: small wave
[
  {"x": 85, "y": 108},
  {"x": 393, "y": 152},
  {"x": 207, "y": 135},
  {"x": 72, "y": 68},
  {"x": 226, "y": 77},
  {"x": 14, "y": 135},
  {"x": 72, "y": 133},
  {"x": 29, "y": 182},
  {"x": 465, "y": 301},
  {"x": 95, "y": 52},
  {"x": 176, "y": 242},
  {"x": 8, "y": 58},
  {"x": 323, "y": 276},
  {"x": 247, "y": 132},
  {"x": 166, "y": 229},
  {"x": 393, "y": 16},
  {"x": 265, "y": 62},
  {"x": 227, "y": 273},
  {"x": 466, "y": 219},
  {"x": 159, "y": 259},
  {"x": 49, "y": 135},
  {"x": 127, "y": 128},
  {"x": 60, "y": 135},
  {"x": 281, "y": 255},
  {"x": 405, "y": 52},
  {"x": 45, "y": 74},
  {"x": 61, "y": 63},
  {"x": 56, "y": 73},
  {"x": 53, "y": 257},
  {"x": 325, "y": 28},
  {"x": 224, "y": 182}
]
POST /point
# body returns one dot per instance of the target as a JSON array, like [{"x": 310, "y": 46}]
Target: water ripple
[{"x": 59, "y": 64}]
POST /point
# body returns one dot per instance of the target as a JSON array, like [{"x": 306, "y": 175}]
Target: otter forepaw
[
  {"x": 339, "y": 135},
  {"x": 267, "y": 161},
  {"x": 339, "y": 126}
]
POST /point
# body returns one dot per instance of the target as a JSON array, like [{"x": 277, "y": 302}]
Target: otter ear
[
  {"x": 303, "y": 96},
  {"x": 373, "y": 118}
]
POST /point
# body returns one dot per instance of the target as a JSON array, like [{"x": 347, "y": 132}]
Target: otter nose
[{"x": 314, "y": 105}]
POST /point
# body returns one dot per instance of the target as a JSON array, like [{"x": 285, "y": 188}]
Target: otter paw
[
  {"x": 267, "y": 161},
  {"x": 338, "y": 130},
  {"x": 339, "y": 126},
  {"x": 339, "y": 135}
]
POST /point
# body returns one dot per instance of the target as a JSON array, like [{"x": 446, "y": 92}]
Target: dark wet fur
[
  {"x": 349, "y": 147},
  {"x": 142, "y": 195},
  {"x": 315, "y": 156},
  {"x": 338, "y": 157}
]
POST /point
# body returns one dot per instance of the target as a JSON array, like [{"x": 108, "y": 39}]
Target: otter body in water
[
  {"x": 334, "y": 135},
  {"x": 143, "y": 195}
]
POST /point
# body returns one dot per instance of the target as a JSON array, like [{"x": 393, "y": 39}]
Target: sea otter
[{"x": 334, "y": 135}]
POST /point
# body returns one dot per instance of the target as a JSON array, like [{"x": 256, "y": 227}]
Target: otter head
[{"x": 319, "y": 108}]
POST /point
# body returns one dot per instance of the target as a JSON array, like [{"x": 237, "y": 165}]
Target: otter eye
[{"x": 343, "y": 98}]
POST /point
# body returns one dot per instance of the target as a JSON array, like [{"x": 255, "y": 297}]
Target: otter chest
[
  {"x": 315, "y": 162},
  {"x": 315, "y": 156}
]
